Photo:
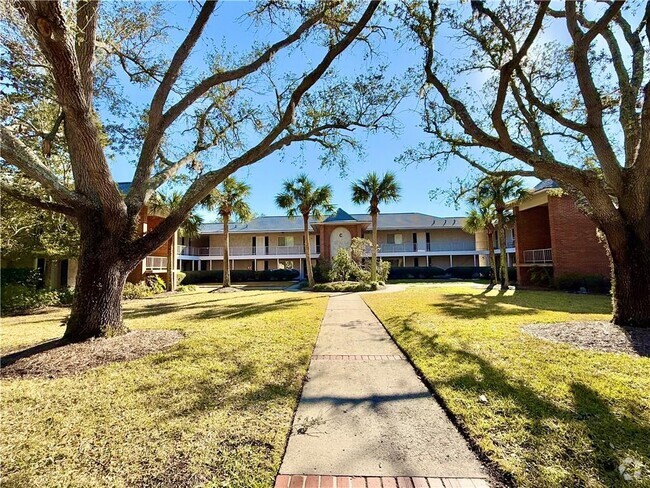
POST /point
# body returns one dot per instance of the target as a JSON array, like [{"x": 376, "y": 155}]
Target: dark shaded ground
[
  {"x": 597, "y": 335},
  {"x": 58, "y": 358}
]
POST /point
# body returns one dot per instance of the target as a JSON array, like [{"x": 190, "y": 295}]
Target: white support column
[
  {"x": 451, "y": 261},
  {"x": 278, "y": 263},
  {"x": 427, "y": 261},
  {"x": 508, "y": 259},
  {"x": 474, "y": 260}
]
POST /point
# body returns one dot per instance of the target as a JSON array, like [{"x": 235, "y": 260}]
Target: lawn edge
[
  {"x": 496, "y": 472},
  {"x": 299, "y": 395}
]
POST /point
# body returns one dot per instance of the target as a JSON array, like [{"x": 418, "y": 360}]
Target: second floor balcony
[
  {"x": 538, "y": 256},
  {"x": 272, "y": 251}
]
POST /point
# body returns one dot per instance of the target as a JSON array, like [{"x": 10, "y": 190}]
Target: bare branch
[
  {"x": 85, "y": 43},
  {"x": 201, "y": 187}
]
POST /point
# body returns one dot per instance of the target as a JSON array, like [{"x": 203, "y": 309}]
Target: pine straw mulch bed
[
  {"x": 595, "y": 335},
  {"x": 57, "y": 358}
]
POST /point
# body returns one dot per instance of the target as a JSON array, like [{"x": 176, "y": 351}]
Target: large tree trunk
[
  {"x": 310, "y": 272},
  {"x": 629, "y": 252},
  {"x": 492, "y": 256},
  {"x": 226, "y": 251},
  {"x": 373, "y": 249},
  {"x": 503, "y": 258},
  {"x": 102, "y": 272}
]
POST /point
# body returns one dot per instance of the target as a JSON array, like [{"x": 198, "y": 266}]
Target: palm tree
[
  {"x": 481, "y": 219},
  {"x": 301, "y": 197},
  {"x": 190, "y": 227},
  {"x": 375, "y": 190},
  {"x": 503, "y": 193},
  {"x": 229, "y": 200}
]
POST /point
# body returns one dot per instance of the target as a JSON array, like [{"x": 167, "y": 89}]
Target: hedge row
[
  {"x": 347, "y": 286},
  {"x": 430, "y": 272},
  {"x": 20, "y": 276},
  {"x": 584, "y": 283},
  {"x": 240, "y": 275}
]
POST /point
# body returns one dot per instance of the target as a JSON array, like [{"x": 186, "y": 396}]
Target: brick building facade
[{"x": 552, "y": 233}]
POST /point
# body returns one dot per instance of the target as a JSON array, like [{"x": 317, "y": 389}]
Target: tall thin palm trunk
[
  {"x": 171, "y": 286},
  {"x": 493, "y": 261},
  {"x": 505, "y": 282},
  {"x": 226, "y": 251},
  {"x": 373, "y": 250},
  {"x": 310, "y": 272}
]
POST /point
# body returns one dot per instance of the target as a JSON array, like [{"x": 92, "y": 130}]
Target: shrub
[
  {"x": 343, "y": 267},
  {"x": 383, "y": 270},
  {"x": 322, "y": 270},
  {"x": 21, "y": 299},
  {"x": 590, "y": 283},
  {"x": 155, "y": 283},
  {"x": 473, "y": 272},
  {"x": 412, "y": 272},
  {"x": 541, "y": 276},
  {"x": 180, "y": 276},
  {"x": 346, "y": 286},
  {"x": 136, "y": 290},
  {"x": 186, "y": 288},
  {"x": 65, "y": 296},
  {"x": 239, "y": 275},
  {"x": 21, "y": 276}
]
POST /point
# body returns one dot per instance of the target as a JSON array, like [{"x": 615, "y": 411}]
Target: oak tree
[
  {"x": 202, "y": 120},
  {"x": 563, "y": 93}
]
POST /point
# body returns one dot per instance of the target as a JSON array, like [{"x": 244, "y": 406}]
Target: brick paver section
[
  {"x": 316, "y": 481},
  {"x": 357, "y": 357}
]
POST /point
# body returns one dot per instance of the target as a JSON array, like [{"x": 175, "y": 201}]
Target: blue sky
[{"x": 380, "y": 150}]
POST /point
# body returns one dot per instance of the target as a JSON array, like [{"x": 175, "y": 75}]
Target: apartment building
[
  {"x": 551, "y": 232},
  {"x": 405, "y": 239}
]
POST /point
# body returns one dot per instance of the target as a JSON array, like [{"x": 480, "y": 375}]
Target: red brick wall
[
  {"x": 576, "y": 247},
  {"x": 532, "y": 231},
  {"x": 152, "y": 221}
]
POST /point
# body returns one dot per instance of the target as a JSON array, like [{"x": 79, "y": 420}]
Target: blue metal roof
[
  {"x": 124, "y": 187},
  {"x": 340, "y": 216},
  {"x": 546, "y": 184},
  {"x": 385, "y": 221}
]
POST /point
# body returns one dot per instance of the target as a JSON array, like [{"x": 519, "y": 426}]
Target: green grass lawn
[
  {"x": 555, "y": 415},
  {"x": 213, "y": 410}
]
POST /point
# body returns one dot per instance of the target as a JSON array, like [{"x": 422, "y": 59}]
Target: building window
[
  {"x": 416, "y": 262},
  {"x": 285, "y": 241},
  {"x": 317, "y": 243},
  {"x": 266, "y": 265},
  {"x": 394, "y": 239}
]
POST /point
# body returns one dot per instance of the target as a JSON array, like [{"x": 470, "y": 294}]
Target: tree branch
[
  {"x": 590, "y": 95},
  {"x": 138, "y": 192},
  {"x": 202, "y": 186},
  {"x": 85, "y": 43},
  {"x": 22, "y": 157},
  {"x": 37, "y": 202}
]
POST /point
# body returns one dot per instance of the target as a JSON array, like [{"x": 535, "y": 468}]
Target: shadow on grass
[
  {"x": 469, "y": 306},
  {"x": 216, "y": 306},
  {"x": 584, "y": 436},
  {"x": 223, "y": 378}
]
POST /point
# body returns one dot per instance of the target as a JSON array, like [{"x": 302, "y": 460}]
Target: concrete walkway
[{"x": 364, "y": 415}]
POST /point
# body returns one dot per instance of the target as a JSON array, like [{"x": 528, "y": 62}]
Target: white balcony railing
[
  {"x": 246, "y": 251},
  {"x": 538, "y": 256},
  {"x": 451, "y": 246},
  {"x": 156, "y": 263}
]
